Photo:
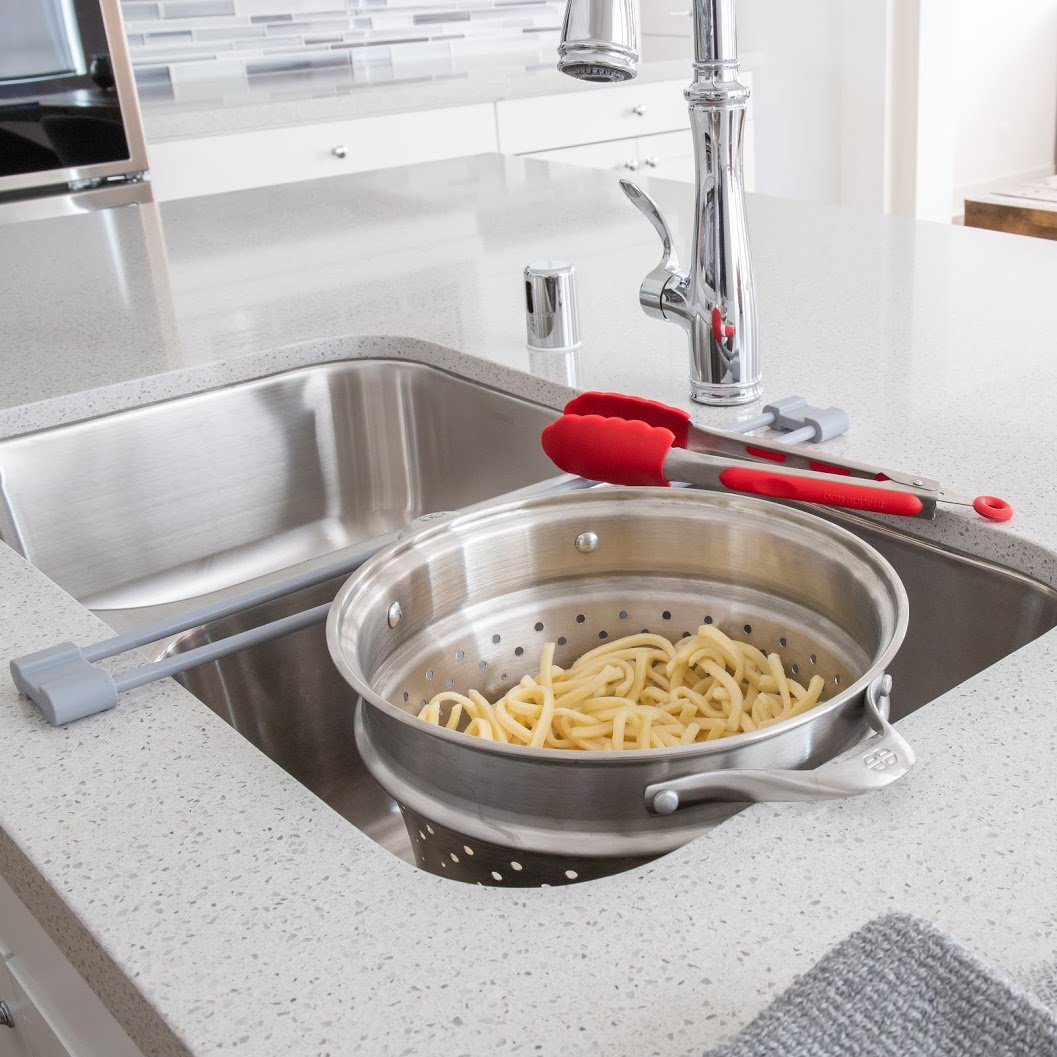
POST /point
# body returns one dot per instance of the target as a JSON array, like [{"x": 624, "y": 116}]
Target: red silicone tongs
[{"x": 627, "y": 440}]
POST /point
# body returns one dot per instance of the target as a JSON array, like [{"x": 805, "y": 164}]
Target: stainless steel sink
[
  {"x": 965, "y": 615},
  {"x": 190, "y": 496}
]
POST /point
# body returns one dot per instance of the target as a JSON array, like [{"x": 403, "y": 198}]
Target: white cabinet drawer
[
  {"x": 212, "y": 164},
  {"x": 666, "y": 154},
  {"x": 603, "y": 112},
  {"x": 619, "y": 155},
  {"x": 669, "y": 155}
]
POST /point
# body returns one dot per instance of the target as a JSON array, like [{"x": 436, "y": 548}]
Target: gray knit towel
[{"x": 899, "y": 988}]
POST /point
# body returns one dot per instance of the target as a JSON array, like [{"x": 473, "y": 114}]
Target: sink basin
[
  {"x": 966, "y": 614},
  {"x": 190, "y": 496}
]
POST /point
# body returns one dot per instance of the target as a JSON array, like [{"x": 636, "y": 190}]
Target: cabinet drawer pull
[
  {"x": 639, "y": 110},
  {"x": 653, "y": 161},
  {"x": 340, "y": 151}
]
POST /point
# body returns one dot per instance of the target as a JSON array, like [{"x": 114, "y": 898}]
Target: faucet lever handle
[
  {"x": 651, "y": 211},
  {"x": 651, "y": 293}
]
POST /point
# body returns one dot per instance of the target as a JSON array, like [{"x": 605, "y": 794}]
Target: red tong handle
[
  {"x": 617, "y": 405},
  {"x": 839, "y": 493},
  {"x": 615, "y": 450},
  {"x": 632, "y": 452},
  {"x": 635, "y": 456}
]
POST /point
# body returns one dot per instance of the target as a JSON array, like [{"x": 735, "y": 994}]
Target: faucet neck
[{"x": 715, "y": 40}]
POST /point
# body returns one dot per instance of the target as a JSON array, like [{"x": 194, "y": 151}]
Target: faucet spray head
[{"x": 600, "y": 40}]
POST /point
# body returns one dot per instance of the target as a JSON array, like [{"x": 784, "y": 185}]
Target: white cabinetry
[
  {"x": 54, "y": 1012},
  {"x": 181, "y": 168},
  {"x": 667, "y": 154},
  {"x": 623, "y": 127},
  {"x": 591, "y": 116},
  {"x": 652, "y": 122}
]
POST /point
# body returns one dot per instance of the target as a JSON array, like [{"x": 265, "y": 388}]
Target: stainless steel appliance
[{"x": 71, "y": 138}]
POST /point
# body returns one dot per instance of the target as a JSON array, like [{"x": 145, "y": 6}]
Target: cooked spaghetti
[{"x": 639, "y": 692}]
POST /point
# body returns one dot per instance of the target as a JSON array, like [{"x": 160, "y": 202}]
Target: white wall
[
  {"x": 818, "y": 93},
  {"x": 895, "y": 105},
  {"x": 1006, "y": 82},
  {"x": 796, "y": 96}
]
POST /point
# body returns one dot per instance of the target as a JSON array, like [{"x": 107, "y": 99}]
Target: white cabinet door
[
  {"x": 669, "y": 155},
  {"x": 620, "y": 155},
  {"x": 212, "y": 164},
  {"x": 593, "y": 114},
  {"x": 55, "y": 1012}
]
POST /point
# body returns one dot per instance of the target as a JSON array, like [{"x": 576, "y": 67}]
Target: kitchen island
[{"x": 216, "y": 906}]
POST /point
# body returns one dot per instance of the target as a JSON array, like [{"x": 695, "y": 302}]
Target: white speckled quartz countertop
[{"x": 216, "y": 906}]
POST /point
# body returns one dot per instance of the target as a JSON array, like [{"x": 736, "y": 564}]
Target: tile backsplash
[{"x": 187, "y": 48}]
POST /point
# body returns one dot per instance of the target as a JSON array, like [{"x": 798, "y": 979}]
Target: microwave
[{"x": 71, "y": 135}]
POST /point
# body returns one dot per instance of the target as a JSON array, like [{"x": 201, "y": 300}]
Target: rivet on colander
[{"x": 586, "y": 542}]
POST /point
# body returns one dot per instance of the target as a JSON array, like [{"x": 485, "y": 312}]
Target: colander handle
[{"x": 878, "y": 763}]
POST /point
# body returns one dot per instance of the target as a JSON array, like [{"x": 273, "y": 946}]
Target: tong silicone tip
[{"x": 992, "y": 508}]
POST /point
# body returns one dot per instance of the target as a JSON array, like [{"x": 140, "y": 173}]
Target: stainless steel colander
[{"x": 470, "y": 602}]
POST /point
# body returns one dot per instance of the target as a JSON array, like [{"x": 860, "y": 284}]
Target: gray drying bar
[
  {"x": 798, "y": 421},
  {"x": 66, "y": 683}
]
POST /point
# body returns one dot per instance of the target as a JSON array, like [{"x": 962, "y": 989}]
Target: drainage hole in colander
[
  {"x": 466, "y": 848},
  {"x": 666, "y": 615},
  {"x": 623, "y": 614},
  {"x": 708, "y": 619},
  {"x": 429, "y": 830},
  {"x": 603, "y": 634},
  {"x": 645, "y": 631},
  {"x": 748, "y": 629},
  {"x": 453, "y": 856},
  {"x": 407, "y": 697},
  {"x": 422, "y": 703},
  {"x": 812, "y": 658},
  {"x": 481, "y": 665},
  {"x": 516, "y": 866},
  {"x": 496, "y": 640},
  {"x": 460, "y": 654},
  {"x": 836, "y": 680},
  {"x": 496, "y": 875},
  {"x": 795, "y": 669},
  {"x": 539, "y": 625},
  {"x": 580, "y": 618},
  {"x": 449, "y": 683},
  {"x": 571, "y": 874},
  {"x": 562, "y": 640},
  {"x": 783, "y": 641},
  {"x": 519, "y": 651},
  {"x": 429, "y": 673}
]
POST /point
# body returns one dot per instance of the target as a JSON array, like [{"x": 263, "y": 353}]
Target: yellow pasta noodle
[{"x": 638, "y": 692}]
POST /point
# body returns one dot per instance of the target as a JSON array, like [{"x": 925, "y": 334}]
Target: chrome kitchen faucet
[{"x": 714, "y": 301}]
